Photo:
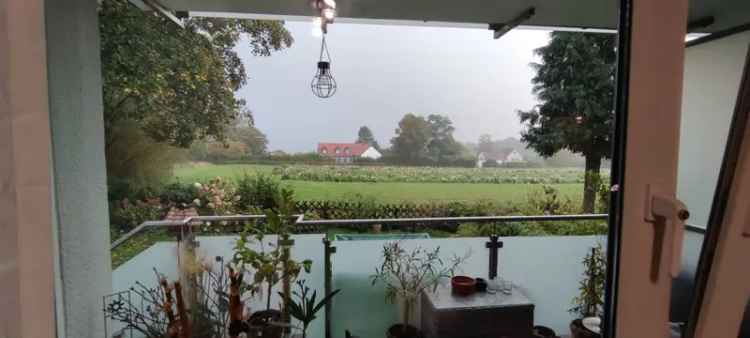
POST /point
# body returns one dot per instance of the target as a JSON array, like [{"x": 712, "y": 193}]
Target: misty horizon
[{"x": 384, "y": 72}]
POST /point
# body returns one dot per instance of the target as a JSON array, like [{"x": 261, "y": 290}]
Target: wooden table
[{"x": 480, "y": 315}]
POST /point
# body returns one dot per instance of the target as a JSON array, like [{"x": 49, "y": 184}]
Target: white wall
[
  {"x": 712, "y": 76},
  {"x": 371, "y": 153}
]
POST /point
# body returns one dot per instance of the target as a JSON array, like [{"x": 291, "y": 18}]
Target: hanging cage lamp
[{"x": 323, "y": 84}]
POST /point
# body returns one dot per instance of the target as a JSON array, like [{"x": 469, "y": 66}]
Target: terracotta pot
[
  {"x": 463, "y": 285},
  {"x": 399, "y": 331}
]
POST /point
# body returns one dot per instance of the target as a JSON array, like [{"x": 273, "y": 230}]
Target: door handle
[{"x": 666, "y": 212}]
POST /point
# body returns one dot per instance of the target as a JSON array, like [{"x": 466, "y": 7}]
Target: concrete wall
[
  {"x": 79, "y": 172},
  {"x": 26, "y": 259},
  {"x": 712, "y": 77}
]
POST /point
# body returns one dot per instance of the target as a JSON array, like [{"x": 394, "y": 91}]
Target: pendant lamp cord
[{"x": 324, "y": 48}]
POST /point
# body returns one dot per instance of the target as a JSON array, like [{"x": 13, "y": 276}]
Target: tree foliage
[
  {"x": 442, "y": 145},
  {"x": 575, "y": 86},
  {"x": 412, "y": 136},
  {"x": 364, "y": 135},
  {"x": 177, "y": 83},
  {"x": 135, "y": 161},
  {"x": 428, "y": 140},
  {"x": 246, "y": 133}
]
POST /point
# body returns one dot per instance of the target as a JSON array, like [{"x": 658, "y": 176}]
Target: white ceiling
[{"x": 596, "y": 14}]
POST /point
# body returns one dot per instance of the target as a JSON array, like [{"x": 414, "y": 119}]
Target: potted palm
[
  {"x": 405, "y": 275},
  {"x": 303, "y": 307},
  {"x": 271, "y": 263},
  {"x": 589, "y": 303}
]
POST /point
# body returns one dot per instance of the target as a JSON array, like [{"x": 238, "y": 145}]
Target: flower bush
[{"x": 216, "y": 197}]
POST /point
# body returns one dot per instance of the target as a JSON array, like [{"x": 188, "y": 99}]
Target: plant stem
[
  {"x": 407, "y": 312},
  {"x": 268, "y": 301}
]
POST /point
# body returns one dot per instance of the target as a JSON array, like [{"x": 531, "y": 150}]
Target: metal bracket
[
  {"x": 502, "y": 28},
  {"x": 663, "y": 210},
  {"x": 164, "y": 11}
]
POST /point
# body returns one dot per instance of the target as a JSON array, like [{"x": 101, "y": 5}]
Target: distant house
[
  {"x": 345, "y": 153},
  {"x": 503, "y": 156}
]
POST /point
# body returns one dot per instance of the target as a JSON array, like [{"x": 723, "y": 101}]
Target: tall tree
[
  {"x": 412, "y": 136},
  {"x": 364, "y": 135},
  {"x": 176, "y": 83},
  {"x": 575, "y": 85},
  {"x": 442, "y": 146}
]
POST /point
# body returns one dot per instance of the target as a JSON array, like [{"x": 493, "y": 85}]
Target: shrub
[
  {"x": 257, "y": 191},
  {"x": 126, "y": 215},
  {"x": 178, "y": 194},
  {"x": 490, "y": 164}
]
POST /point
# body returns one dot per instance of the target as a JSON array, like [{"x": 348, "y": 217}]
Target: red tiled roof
[
  {"x": 499, "y": 155},
  {"x": 355, "y": 149}
]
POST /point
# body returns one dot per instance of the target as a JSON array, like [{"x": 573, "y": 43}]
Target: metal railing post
[
  {"x": 328, "y": 250},
  {"x": 494, "y": 244}
]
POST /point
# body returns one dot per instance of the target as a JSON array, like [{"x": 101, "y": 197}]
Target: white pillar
[{"x": 78, "y": 168}]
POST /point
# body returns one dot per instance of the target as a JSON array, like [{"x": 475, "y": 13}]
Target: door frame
[{"x": 649, "y": 109}]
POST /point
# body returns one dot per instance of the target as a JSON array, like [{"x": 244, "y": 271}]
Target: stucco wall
[
  {"x": 712, "y": 77},
  {"x": 79, "y": 174}
]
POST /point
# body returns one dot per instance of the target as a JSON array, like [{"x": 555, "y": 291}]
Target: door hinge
[{"x": 665, "y": 211}]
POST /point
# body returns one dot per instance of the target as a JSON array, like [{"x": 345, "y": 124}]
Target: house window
[
  {"x": 324, "y": 151},
  {"x": 338, "y": 150},
  {"x": 347, "y": 151}
]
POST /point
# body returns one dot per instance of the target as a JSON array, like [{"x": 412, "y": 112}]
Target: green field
[
  {"x": 382, "y": 191},
  {"x": 204, "y": 171}
]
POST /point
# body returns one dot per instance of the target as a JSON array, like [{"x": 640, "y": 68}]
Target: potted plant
[
  {"x": 304, "y": 308},
  {"x": 589, "y": 303},
  {"x": 405, "y": 275},
  {"x": 272, "y": 263}
]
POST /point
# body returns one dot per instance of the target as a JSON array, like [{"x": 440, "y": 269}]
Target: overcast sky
[{"x": 384, "y": 72}]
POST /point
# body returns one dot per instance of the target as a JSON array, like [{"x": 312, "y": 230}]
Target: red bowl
[{"x": 463, "y": 285}]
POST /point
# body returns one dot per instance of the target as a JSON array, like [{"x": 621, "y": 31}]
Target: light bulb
[{"x": 329, "y": 14}]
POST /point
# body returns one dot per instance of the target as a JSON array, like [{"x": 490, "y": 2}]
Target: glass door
[{"x": 720, "y": 308}]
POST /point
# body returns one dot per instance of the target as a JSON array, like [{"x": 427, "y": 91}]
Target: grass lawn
[
  {"x": 205, "y": 171},
  {"x": 382, "y": 192}
]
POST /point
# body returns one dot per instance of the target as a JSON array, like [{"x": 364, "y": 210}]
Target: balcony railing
[{"x": 233, "y": 224}]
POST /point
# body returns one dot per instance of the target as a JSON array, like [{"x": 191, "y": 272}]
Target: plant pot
[
  {"x": 481, "y": 285},
  {"x": 544, "y": 332},
  {"x": 266, "y": 323},
  {"x": 463, "y": 285},
  {"x": 401, "y": 331},
  {"x": 577, "y": 330}
]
